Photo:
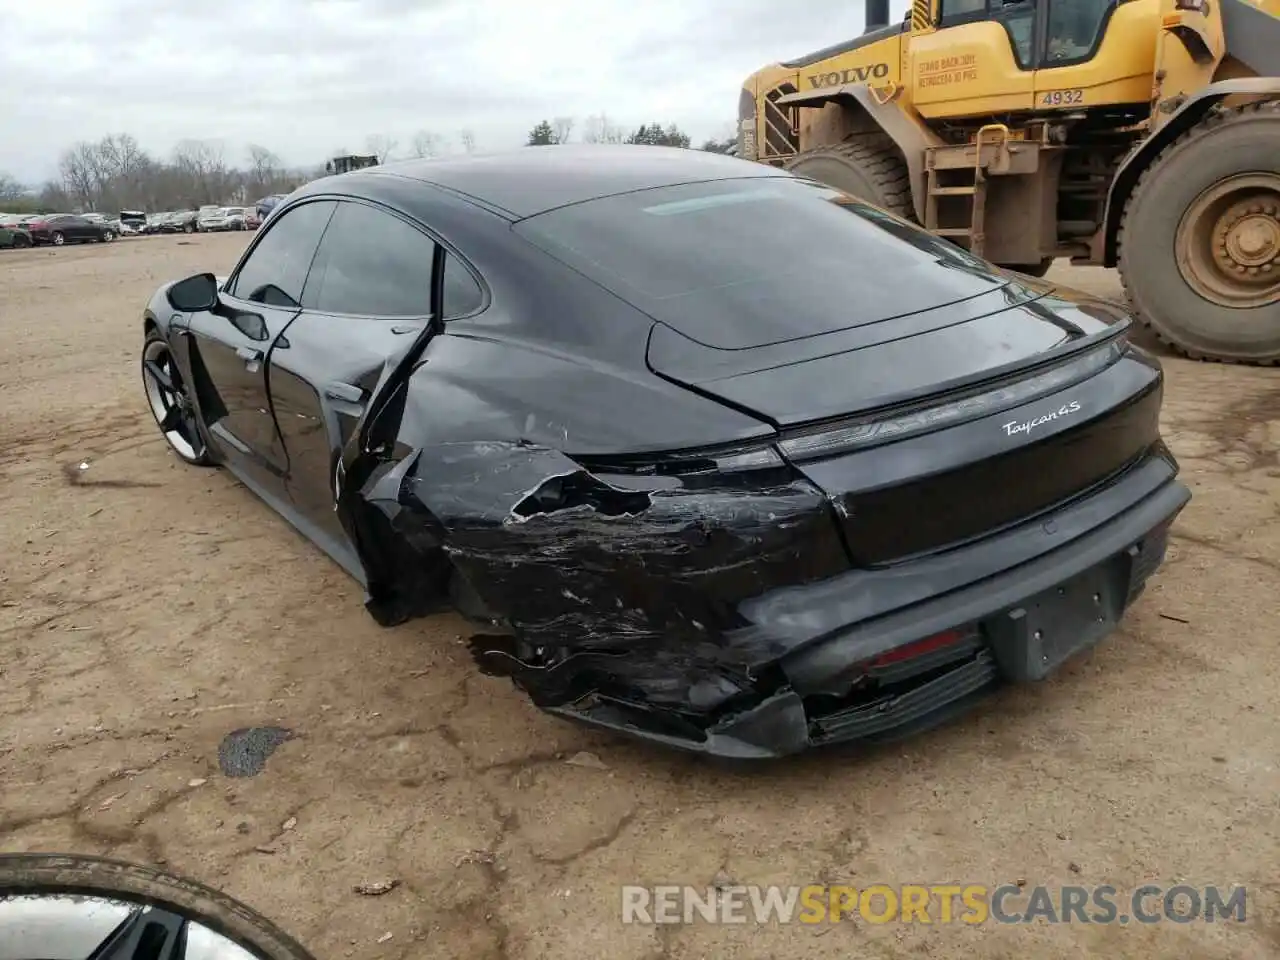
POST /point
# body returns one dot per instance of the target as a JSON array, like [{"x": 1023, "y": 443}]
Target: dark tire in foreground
[
  {"x": 1200, "y": 239},
  {"x": 26, "y": 874},
  {"x": 868, "y": 167}
]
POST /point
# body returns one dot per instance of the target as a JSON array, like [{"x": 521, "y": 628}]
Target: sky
[{"x": 306, "y": 77}]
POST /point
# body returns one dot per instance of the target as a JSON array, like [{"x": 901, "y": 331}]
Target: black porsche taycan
[{"x": 717, "y": 456}]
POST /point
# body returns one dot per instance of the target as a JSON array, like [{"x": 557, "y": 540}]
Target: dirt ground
[{"x": 149, "y": 609}]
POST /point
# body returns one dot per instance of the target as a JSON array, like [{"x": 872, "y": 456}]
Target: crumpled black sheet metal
[{"x": 604, "y": 586}]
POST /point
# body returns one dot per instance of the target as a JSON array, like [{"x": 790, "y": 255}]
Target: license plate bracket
[{"x": 1036, "y": 637}]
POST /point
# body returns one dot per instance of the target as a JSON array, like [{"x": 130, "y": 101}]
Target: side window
[
  {"x": 954, "y": 10},
  {"x": 1019, "y": 20},
  {"x": 276, "y": 270},
  {"x": 373, "y": 264},
  {"x": 462, "y": 294},
  {"x": 1074, "y": 28}
]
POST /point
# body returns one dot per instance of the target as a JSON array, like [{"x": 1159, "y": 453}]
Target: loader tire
[
  {"x": 868, "y": 167},
  {"x": 1200, "y": 239}
]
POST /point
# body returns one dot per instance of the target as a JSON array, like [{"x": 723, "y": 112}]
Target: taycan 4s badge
[{"x": 1014, "y": 427}]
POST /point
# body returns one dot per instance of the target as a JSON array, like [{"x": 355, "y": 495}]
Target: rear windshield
[{"x": 739, "y": 263}]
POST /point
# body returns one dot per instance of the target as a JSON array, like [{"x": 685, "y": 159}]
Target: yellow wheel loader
[{"x": 1139, "y": 134}]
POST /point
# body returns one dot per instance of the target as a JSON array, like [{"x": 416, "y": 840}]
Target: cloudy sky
[{"x": 304, "y": 77}]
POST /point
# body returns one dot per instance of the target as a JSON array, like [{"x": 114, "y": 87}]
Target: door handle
[
  {"x": 249, "y": 355},
  {"x": 347, "y": 392}
]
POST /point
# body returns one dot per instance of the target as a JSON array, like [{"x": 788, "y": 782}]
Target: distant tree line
[
  {"x": 599, "y": 129},
  {"x": 116, "y": 173}
]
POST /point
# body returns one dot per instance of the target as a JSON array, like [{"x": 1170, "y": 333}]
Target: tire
[
  {"x": 186, "y": 436},
  {"x": 1169, "y": 255},
  {"x": 188, "y": 228},
  {"x": 21, "y": 241},
  {"x": 107, "y": 236},
  {"x": 868, "y": 166},
  {"x": 36, "y": 873},
  {"x": 57, "y": 239}
]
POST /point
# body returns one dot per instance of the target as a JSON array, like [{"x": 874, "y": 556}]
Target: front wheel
[
  {"x": 868, "y": 166},
  {"x": 1200, "y": 240},
  {"x": 189, "y": 228},
  {"x": 21, "y": 240},
  {"x": 107, "y": 236},
  {"x": 57, "y": 239},
  {"x": 170, "y": 402}
]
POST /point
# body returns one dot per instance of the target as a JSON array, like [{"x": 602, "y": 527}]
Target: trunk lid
[{"x": 878, "y": 363}]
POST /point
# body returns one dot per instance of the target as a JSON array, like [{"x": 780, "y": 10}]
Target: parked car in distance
[
  {"x": 225, "y": 218},
  {"x": 132, "y": 222},
  {"x": 252, "y": 220},
  {"x": 266, "y": 205},
  {"x": 181, "y": 221},
  {"x": 154, "y": 223},
  {"x": 109, "y": 220},
  {"x": 59, "y": 228},
  {"x": 205, "y": 213},
  {"x": 13, "y": 233},
  {"x": 691, "y": 492}
]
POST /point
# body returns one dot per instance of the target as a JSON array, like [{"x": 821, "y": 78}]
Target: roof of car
[{"x": 531, "y": 180}]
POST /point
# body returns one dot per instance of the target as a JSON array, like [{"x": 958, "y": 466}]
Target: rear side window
[
  {"x": 742, "y": 263},
  {"x": 276, "y": 269},
  {"x": 462, "y": 294},
  {"x": 373, "y": 264}
]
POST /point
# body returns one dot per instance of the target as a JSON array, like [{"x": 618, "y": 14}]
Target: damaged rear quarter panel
[
  {"x": 622, "y": 584},
  {"x": 654, "y": 577}
]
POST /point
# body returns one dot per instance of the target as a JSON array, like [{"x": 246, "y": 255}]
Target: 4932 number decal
[{"x": 1062, "y": 98}]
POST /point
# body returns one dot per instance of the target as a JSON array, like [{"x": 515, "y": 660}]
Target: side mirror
[{"x": 194, "y": 293}]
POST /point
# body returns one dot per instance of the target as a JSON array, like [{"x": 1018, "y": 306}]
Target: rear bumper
[{"x": 1011, "y": 607}]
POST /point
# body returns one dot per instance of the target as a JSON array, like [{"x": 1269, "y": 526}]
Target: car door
[
  {"x": 368, "y": 297},
  {"x": 69, "y": 226},
  {"x": 228, "y": 347}
]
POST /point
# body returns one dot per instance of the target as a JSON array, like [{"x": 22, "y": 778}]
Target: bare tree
[
  {"x": 264, "y": 167},
  {"x": 468, "y": 139},
  {"x": 121, "y": 156},
  {"x": 426, "y": 144},
  {"x": 10, "y": 189},
  {"x": 53, "y": 196},
  {"x": 381, "y": 145},
  {"x": 78, "y": 167},
  {"x": 202, "y": 163},
  {"x": 563, "y": 127},
  {"x": 599, "y": 129}
]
